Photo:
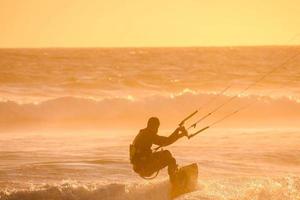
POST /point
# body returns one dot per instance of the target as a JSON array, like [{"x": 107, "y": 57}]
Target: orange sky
[{"x": 121, "y": 23}]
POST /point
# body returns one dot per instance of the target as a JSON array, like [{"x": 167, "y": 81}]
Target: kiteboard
[{"x": 185, "y": 181}]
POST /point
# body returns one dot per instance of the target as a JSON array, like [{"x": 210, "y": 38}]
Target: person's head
[{"x": 153, "y": 124}]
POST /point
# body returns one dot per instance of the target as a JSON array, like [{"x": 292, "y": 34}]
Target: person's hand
[
  {"x": 183, "y": 130},
  {"x": 178, "y": 129}
]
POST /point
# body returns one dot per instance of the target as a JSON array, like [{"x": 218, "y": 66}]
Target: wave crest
[
  {"x": 281, "y": 188},
  {"x": 127, "y": 112},
  {"x": 71, "y": 191}
]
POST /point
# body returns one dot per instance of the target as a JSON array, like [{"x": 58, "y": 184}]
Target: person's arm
[{"x": 165, "y": 141}]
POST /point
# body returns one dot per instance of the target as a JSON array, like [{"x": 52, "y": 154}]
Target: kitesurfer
[{"x": 146, "y": 162}]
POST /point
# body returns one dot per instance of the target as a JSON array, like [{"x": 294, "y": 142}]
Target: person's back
[{"x": 143, "y": 142}]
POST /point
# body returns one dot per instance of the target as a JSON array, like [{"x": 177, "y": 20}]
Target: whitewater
[
  {"x": 89, "y": 166},
  {"x": 67, "y": 117}
]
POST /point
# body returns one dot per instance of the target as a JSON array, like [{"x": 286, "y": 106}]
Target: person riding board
[{"x": 146, "y": 162}]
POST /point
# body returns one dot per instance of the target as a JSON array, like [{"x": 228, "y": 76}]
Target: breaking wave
[
  {"x": 73, "y": 191},
  {"x": 282, "y": 188},
  {"x": 72, "y": 111}
]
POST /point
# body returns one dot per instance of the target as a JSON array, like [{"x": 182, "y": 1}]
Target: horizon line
[{"x": 150, "y": 47}]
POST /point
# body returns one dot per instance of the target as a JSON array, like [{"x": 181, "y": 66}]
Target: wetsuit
[{"x": 147, "y": 162}]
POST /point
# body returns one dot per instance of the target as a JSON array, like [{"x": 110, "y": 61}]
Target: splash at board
[{"x": 186, "y": 181}]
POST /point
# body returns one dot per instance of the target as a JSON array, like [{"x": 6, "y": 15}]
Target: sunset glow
[
  {"x": 149, "y": 99},
  {"x": 115, "y": 23}
]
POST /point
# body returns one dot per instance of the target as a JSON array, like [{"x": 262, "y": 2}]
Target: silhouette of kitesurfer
[{"x": 146, "y": 162}]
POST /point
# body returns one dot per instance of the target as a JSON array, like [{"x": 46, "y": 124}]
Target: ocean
[{"x": 67, "y": 117}]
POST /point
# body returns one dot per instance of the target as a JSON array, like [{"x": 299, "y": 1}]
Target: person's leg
[
  {"x": 160, "y": 160},
  {"x": 172, "y": 166}
]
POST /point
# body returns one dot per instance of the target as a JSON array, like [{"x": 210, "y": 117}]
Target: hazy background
[
  {"x": 119, "y": 89},
  {"x": 132, "y": 23}
]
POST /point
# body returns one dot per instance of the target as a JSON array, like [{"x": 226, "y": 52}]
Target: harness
[{"x": 133, "y": 151}]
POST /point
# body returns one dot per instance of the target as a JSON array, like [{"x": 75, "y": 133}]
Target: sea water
[{"x": 68, "y": 116}]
